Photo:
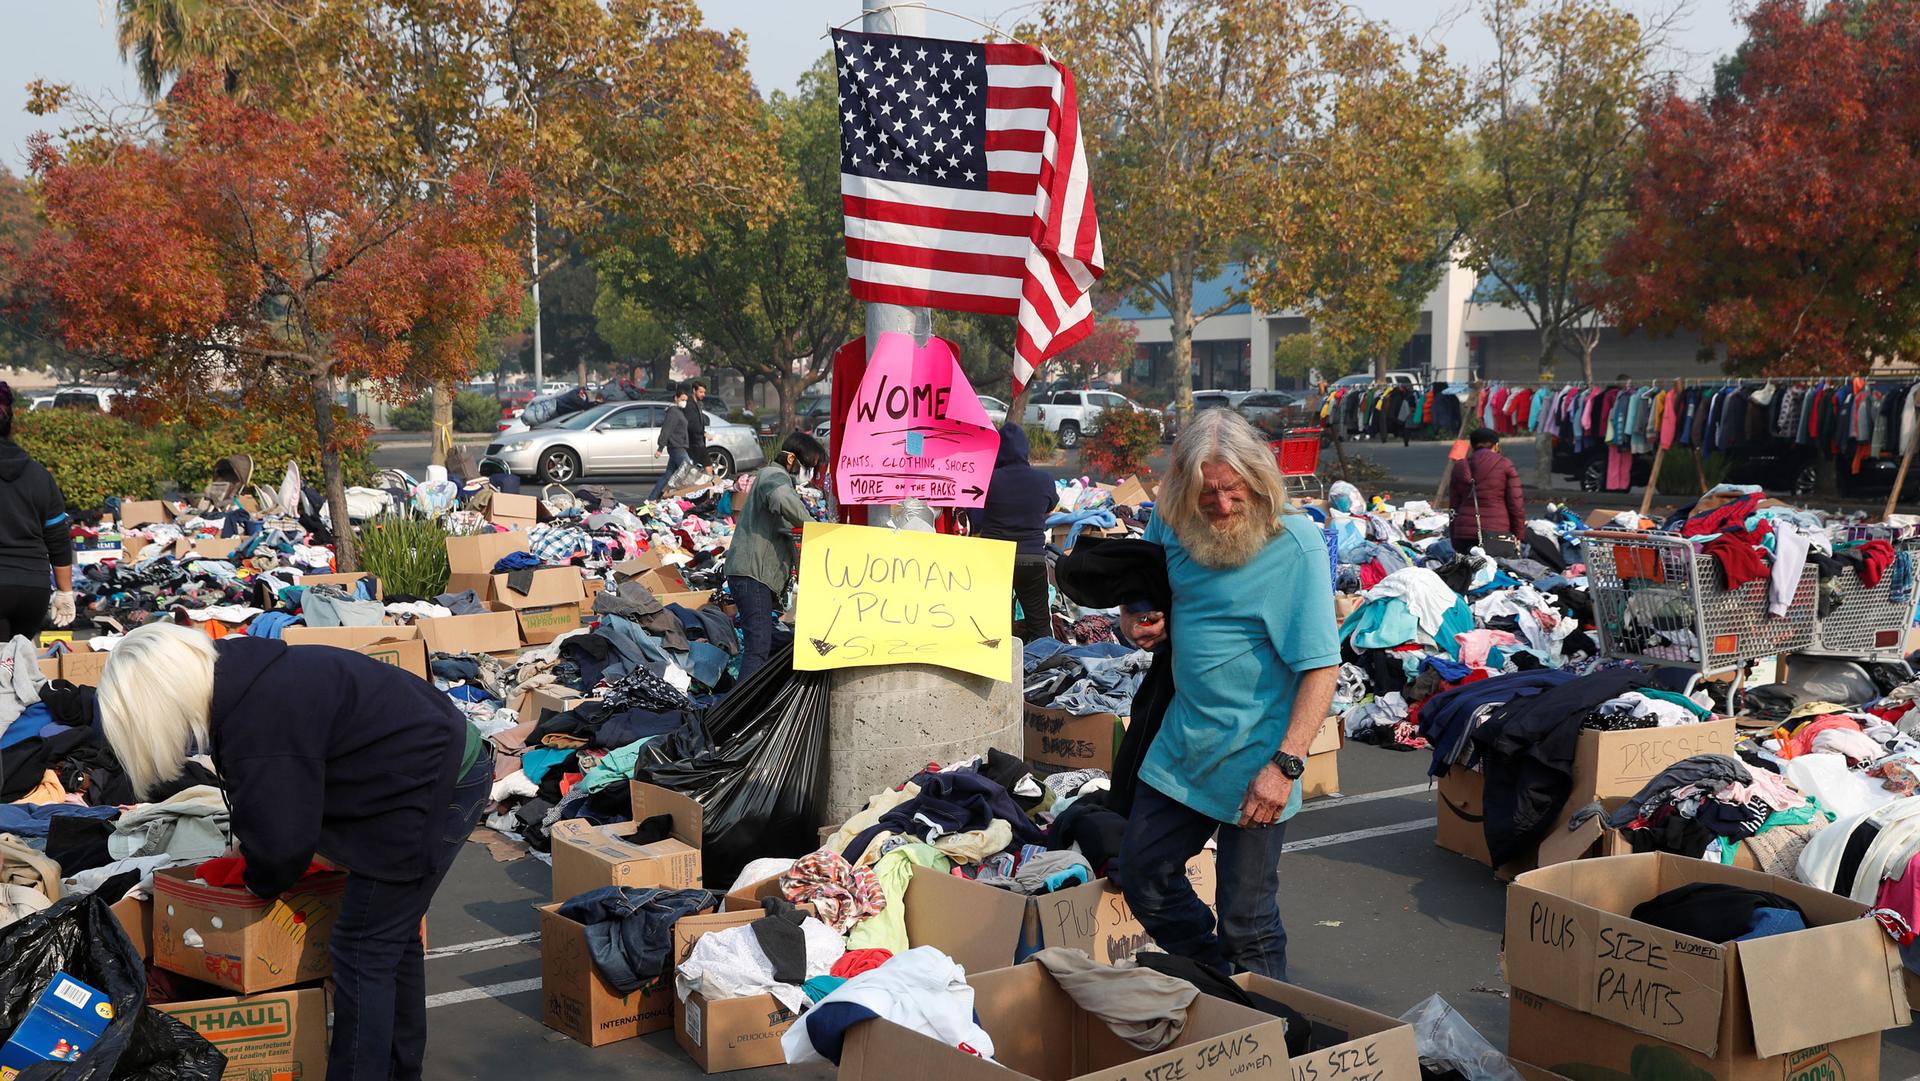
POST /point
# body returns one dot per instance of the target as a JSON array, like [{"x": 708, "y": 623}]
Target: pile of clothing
[
  {"x": 1708, "y": 806},
  {"x": 1100, "y": 677}
]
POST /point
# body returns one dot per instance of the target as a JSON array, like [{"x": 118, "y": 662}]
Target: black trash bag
[
  {"x": 79, "y": 935},
  {"x": 762, "y": 780}
]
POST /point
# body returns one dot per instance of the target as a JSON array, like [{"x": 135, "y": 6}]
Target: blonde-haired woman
[
  {"x": 1255, "y": 656},
  {"x": 322, "y": 751}
]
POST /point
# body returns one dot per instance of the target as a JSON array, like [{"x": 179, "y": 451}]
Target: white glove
[{"x": 63, "y": 609}]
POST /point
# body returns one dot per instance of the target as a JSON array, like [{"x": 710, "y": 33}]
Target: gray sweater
[{"x": 673, "y": 430}]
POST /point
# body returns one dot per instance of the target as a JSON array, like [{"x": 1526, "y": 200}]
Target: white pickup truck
[{"x": 1069, "y": 413}]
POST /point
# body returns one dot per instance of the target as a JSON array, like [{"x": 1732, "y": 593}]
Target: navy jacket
[
  {"x": 327, "y": 751},
  {"x": 34, "y": 527},
  {"x": 1019, "y": 497}
]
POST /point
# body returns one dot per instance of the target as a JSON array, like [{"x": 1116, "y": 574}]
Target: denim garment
[
  {"x": 379, "y": 966},
  {"x": 1162, "y": 835},
  {"x": 635, "y": 649},
  {"x": 630, "y": 931},
  {"x": 756, "y": 603},
  {"x": 1109, "y": 686},
  {"x": 676, "y": 457}
]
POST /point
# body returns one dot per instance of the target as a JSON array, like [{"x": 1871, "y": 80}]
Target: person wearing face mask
[{"x": 760, "y": 560}]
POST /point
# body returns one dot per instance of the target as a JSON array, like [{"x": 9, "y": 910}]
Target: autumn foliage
[
  {"x": 1781, "y": 217},
  {"x": 241, "y": 249}
]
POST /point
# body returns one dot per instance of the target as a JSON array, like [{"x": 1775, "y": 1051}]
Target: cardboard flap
[
  {"x": 1561, "y": 846},
  {"x": 347, "y": 637},
  {"x": 689, "y": 821},
  {"x": 879, "y": 1048},
  {"x": 1378, "y": 1047},
  {"x": 978, "y": 926},
  {"x": 550, "y": 586},
  {"x": 1867, "y": 993}
]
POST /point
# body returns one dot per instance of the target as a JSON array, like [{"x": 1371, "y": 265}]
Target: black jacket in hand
[
  {"x": 326, "y": 751},
  {"x": 1113, "y": 573}
]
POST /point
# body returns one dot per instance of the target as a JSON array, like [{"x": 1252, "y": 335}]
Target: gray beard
[{"x": 1234, "y": 545}]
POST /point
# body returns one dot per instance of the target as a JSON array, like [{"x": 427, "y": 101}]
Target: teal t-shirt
[{"x": 1241, "y": 639}]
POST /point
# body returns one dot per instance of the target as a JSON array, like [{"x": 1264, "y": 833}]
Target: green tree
[
  {"x": 1557, "y": 149},
  {"x": 769, "y": 300},
  {"x": 1197, "y": 115},
  {"x": 1361, "y": 264},
  {"x": 162, "y": 38},
  {"x": 612, "y": 108},
  {"x": 638, "y": 340}
]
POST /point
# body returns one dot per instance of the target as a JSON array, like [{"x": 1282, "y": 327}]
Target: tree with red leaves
[
  {"x": 242, "y": 249},
  {"x": 1108, "y": 348},
  {"x": 1781, "y": 217}
]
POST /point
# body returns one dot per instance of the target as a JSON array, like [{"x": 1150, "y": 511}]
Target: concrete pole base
[{"x": 885, "y": 724}]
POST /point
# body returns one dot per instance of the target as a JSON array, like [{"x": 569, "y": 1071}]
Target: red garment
[
  {"x": 1739, "y": 561},
  {"x": 1801, "y": 742},
  {"x": 1878, "y": 556},
  {"x": 230, "y": 872},
  {"x": 1371, "y": 574},
  {"x": 1903, "y": 894},
  {"x": 853, "y": 962},
  {"x": 1731, "y": 518}
]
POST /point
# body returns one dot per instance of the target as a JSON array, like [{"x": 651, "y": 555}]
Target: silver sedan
[{"x": 616, "y": 438}]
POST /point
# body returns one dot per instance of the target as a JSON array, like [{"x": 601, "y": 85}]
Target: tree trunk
[
  {"x": 442, "y": 422},
  {"x": 1182, "y": 334},
  {"x": 661, "y": 372},
  {"x": 333, "y": 477},
  {"x": 1379, "y": 367},
  {"x": 789, "y": 388},
  {"x": 1586, "y": 358}
]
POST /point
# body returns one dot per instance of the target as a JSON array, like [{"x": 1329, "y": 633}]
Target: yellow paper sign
[{"x": 880, "y": 596}]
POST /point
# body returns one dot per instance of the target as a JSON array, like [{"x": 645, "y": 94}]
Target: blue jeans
[
  {"x": 379, "y": 967},
  {"x": 756, "y": 603},
  {"x": 676, "y": 457},
  {"x": 1162, "y": 835}
]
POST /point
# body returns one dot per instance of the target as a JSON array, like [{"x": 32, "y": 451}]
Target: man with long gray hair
[{"x": 1255, "y": 660}]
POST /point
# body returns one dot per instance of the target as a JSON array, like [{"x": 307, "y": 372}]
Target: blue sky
[{"x": 71, "y": 41}]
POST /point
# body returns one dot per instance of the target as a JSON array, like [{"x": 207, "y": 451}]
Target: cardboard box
[
  {"x": 471, "y": 560},
  {"x": 136, "y": 919},
  {"x": 536, "y": 703},
  {"x": 1095, "y": 917},
  {"x": 49, "y": 668},
  {"x": 350, "y": 583},
  {"x": 513, "y": 511},
  {"x": 61, "y": 1026},
  {"x": 485, "y": 632},
  {"x": 1057, "y": 740},
  {"x": 587, "y": 857},
  {"x": 207, "y": 547},
  {"x": 347, "y": 637},
  {"x": 1323, "y": 761},
  {"x": 83, "y": 666},
  {"x": 409, "y": 653},
  {"x": 577, "y": 1001},
  {"x": 139, "y": 512},
  {"x": 1131, "y": 492},
  {"x": 267, "y": 1037},
  {"x": 1378, "y": 1047},
  {"x": 1602, "y": 518},
  {"x": 1040, "y": 1034},
  {"x": 689, "y": 601},
  {"x": 1605, "y": 764},
  {"x": 734, "y": 1033},
  {"x": 551, "y": 606},
  {"x": 247, "y": 943},
  {"x": 1569, "y": 941}
]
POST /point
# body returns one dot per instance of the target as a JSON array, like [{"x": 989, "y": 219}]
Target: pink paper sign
[{"x": 915, "y": 430}]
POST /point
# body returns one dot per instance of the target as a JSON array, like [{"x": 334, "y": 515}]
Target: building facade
[{"x": 1461, "y": 334}]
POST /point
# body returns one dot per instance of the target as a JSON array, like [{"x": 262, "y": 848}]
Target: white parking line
[
  {"x": 1357, "y": 835},
  {"x": 483, "y": 945},
  {"x": 475, "y": 994},
  {"x": 1363, "y": 797}
]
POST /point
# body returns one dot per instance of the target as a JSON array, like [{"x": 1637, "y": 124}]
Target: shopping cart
[
  {"x": 1872, "y": 623},
  {"x": 1659, "y": 600},
  {"x": 1298, "y": 452}
]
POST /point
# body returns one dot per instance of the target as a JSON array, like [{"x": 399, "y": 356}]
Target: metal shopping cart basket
[
  {"x": 1660, "y": 601},
  {"x": 1870, "y": 623},
  {"x": 1298, "y": 452}
]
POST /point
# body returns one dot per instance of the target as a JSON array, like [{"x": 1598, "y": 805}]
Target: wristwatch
[{"x": 1291, "y": 765}]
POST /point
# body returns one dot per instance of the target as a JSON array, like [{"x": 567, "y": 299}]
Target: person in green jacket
[{"x": 760, "y": 560}]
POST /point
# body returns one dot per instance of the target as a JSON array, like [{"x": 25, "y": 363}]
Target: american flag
[{"x": 964, "y": 180}]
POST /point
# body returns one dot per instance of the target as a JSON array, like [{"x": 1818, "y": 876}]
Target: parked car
[
  {"x": 1068, "y": 413},
  {"x": 1218, "y": 399},
  {"x": 40, "y": 401},
  {"x": 615, "y": 438},
  {"x": 95, "y": 399}
]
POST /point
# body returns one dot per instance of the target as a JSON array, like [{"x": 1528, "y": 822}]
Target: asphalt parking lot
[{"x": 1376, "y": 915}]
